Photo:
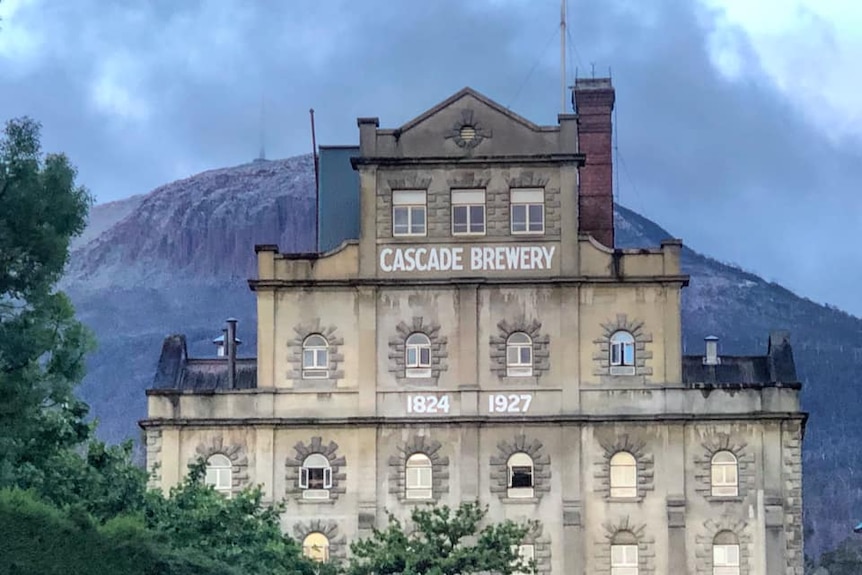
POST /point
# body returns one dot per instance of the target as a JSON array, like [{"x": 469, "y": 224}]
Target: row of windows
[
  {"x": 315, "y": 476},
  {"x": 409, "y": 212},
  {"x": 417, "y": 355}
]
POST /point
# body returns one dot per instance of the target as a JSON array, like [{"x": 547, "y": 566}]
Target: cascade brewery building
[{"x": 468, "y": 331}]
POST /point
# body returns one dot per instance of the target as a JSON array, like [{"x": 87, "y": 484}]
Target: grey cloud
[{"x": 729, "y": 166}]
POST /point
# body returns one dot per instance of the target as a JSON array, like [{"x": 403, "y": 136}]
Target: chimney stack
[
  {"x": 711, "y": 357},
  {"x": 230, "y": 345},
  {"x": 593, "y": 99}
]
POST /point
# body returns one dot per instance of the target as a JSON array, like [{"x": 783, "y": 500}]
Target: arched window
[
  {"x": 724, "y": 473},
  {"x": 417, "y": 350},
  {"x": 624, "y": 554},
  {"x": 315, "y": 546},
  {"x": 622, "y": 353},
  {"x": 624, "y": 475},
  {"x": 219, "y": 473},
  {"x": 520, "y": 468},
  {"x": 315, "y": 477},
  {"x": 519, "y": 355},
  {"x": 315, "y": 357},
  {"x": 418, "y": 477},
  {"x": 725, "y": 554}
]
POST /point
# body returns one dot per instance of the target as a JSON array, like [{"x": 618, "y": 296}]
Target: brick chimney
[{"x": 593, "y": 99}]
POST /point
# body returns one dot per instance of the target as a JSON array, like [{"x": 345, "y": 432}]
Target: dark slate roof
[
  {"x": 177, "y": 371},
  {"x": 775, "y": 368}
]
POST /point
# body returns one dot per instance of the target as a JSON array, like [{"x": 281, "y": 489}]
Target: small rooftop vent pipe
[{"x": 711, "y": 357}]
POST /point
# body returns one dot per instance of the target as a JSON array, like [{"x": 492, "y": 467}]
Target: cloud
[{"x": 719, "y": 141}]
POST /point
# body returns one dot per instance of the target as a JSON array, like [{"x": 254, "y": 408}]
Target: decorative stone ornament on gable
[
  {"x": 235, "y": 452},
  {"x": 337, "y": 546},
  {"x": 293, "y": 465},
  {"x": 541, "y": 344},
  {"x": 645, "y": 466},
  {"x": 705, "y": 540},
  {"x": 439, "y": 468},
  {"x": 397, "y": 347},
  {"x": 500, "y": 470},
  {"x": 601, "y": 357},
  {"x": 467, "y": 132},
  {"x": 335, "y": 357},
  {"x": 745, "y": 467},
  {"x": 638, "y": 534}
]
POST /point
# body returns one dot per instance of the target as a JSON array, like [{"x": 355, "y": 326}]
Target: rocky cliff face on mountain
[{"x": 177, "y": 259}]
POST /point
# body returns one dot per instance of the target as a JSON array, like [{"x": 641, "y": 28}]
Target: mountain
[{"x": 176, "y": 260}]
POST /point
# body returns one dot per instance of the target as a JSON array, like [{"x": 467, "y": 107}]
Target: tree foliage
[
  {"x": 442, "y": 542},
  {"x": 42, "y": 345}
]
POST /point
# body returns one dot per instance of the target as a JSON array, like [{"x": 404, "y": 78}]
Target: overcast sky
[{"x": 739, "y": 121}]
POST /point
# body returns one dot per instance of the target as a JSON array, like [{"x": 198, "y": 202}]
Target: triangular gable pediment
[{"x": 464, "y": 96}]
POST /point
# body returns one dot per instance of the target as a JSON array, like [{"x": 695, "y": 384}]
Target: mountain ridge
[{"x": 177, "y": 260}]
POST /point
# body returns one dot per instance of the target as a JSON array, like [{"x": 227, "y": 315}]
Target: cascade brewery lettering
[{"x": 474, "y": 258}]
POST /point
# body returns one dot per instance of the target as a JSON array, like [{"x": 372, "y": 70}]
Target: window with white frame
[
  {"x": 527, "y": 211},
  {"x": 417, "y": 350},
  {"x": 315, "y": 546},
  {"x": 624, "y": 475},
  {"x": 622, "y": 351},
  {"x": 408, "y": 213},
  {"x": 624, "y": 554},
  {"x": 468, "y": 212},
  {"x": 520, "y": 469},
  {"x": 724, "y": 474},
  {"x": 725, "y": 554},
  {"x": 315, "y": 357},
  {"x": 418, "y": 475},
  {"x": 519, "y": 355},
  {"x": 526, "y": 553},
  {"x": 219, "y": 473},
  {"x": 315, "y": 477}
]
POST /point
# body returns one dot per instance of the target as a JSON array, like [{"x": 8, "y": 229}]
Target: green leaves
[{"x": 442, "y": 542}]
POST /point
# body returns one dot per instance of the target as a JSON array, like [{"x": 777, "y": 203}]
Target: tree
[
  {"x": 442, "y": 542},
  {"x": 42, "y": 345},
  {"x": 240, "y": 531}
]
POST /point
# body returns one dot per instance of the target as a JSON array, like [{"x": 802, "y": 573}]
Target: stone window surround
[
  {"x": 705, "y": 539},
  {"x": 645, "y": 467},
  {"x": 294, "y": 359},
  {"x": 397, "y": 354},
  {"x": 397, "y": 478},
  {"x": 541, "y": 547},
  {"x": 336, "y": 463},
  {"x": 337, "y": 546},
  {"x": 645, "y": 543},
  {"x": 499, "y": 483},
  {"x": 235, "y": 452},
  {"x": 745, "y": 468},
  {"x": 601, "y": 356},
  {"x": 541, "y": 349}
]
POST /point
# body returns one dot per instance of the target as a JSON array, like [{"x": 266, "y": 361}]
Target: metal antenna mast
[
  {"x": 262, "y": 130},
  {"x": 562, "y": 56}
]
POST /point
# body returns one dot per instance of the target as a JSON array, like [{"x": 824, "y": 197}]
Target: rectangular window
[
  {"x": 624, "y": 560},
  {"x": 527, "y": 554},
  {"x": 624, "y": 481},
  {"x": 418, "y": 483},
  {"x": 725, "y": 559},
  {"x": 522, "y": 477},
  {"x": 468, "y": 212},
  {"x": 408, "y": 212},
  {"x": 724, "y": 480},
  {"x": 527, "y": 209}
]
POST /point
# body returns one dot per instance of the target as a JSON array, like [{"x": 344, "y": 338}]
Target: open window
[
  {"x": 315, "y": 546},
  {"x": 315, "y": 357},
  {"x": 624, "y": 554},
  {"x": 725, "y": 554},
  {"x": 417, "y": 350},
  {"x": 624, "y": 475},
  {"x": 418, "y": 475},
  {"x": 724, "y": 474},
  {"x": 219, "y": 473},
  {"x": 519, "y": 355},
  {"x": 520, "y": 468},
  {"x": 622, "y": 353},
  {"x": 315, "y": 477}
]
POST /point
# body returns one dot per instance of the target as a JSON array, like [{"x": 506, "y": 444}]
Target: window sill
[
  {"x": 303, "y": 501},
  {"x": 622, "y": 370},
  {"x": 520, "y": 500},
  {"x": 624, "y": 499},
  {"x": 725, "y": 498}
]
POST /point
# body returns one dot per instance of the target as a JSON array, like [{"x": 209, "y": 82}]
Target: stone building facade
[{"x": 483, "y": 339}]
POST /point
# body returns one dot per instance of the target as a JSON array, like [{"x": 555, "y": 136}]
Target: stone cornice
[{"x": 472, "y": 161}]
